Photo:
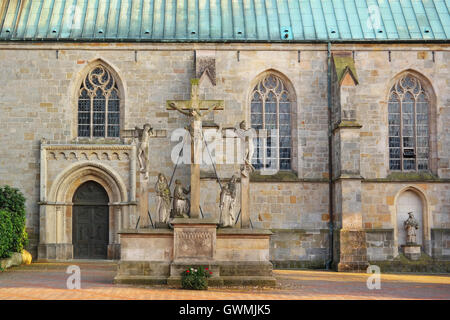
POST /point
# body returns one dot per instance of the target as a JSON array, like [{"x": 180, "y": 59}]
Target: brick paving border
[{"x": 48, "y": 281}]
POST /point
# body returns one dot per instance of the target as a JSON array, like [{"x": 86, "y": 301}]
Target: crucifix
[
  {"x": 141, "y": 159},
  {"x": 196, "y": 109}
]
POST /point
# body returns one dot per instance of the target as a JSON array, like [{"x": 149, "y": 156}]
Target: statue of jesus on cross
[{"x": 192, "y": 108}]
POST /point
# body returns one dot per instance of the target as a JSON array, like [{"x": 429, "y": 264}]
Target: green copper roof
[{"x": 224, "y": 20}]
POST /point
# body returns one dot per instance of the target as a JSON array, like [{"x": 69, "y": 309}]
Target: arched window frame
[
  {"x": 92, "y": 89},
  {"x": 409, "y": 88},
  {"x": 285, "y": 88}
]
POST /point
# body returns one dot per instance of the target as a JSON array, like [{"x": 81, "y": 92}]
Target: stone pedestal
[
  {"x": 411, "y": 251},
  {"x": 194, "y": 246},
  {"x": 194, "y": 240},
  {"x": 55, "y": 251},
  {"x": 144, "y": 221},
  {"x": 158, "y": 256},
  {"x": 245, "y": 201}
]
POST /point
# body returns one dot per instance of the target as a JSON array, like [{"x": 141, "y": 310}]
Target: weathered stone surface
[
  {"x": 16, "y": 259},
  {"x": 39, "y": 101},
  {"x": 241, "y": 256},
  {"x": 194, "y": 240},
  {"x": 412, "y": 252},
  {"x": 352, "y": 251}
]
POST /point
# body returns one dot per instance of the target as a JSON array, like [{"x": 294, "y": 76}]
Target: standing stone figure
[
  {"x": 163, "y": 194},
  {"x": 142, "y": 154},
  {"x": 247, "y": 148},
  {"x": 228, "y": 203},
  {"x": 411, "y": 225},
  {"x": 180, "y": 201}
]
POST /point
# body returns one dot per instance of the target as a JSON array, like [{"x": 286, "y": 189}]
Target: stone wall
[
  {"x": 376, "y": 74},
  {"x": 296, "y": 212},
  {"x": 380, "y": 244},
  {"x": 378, "y": 204},
  {"x": 440, "y": 242},
  {"x": 38, "y": 100},
  {"x": 379, "y": 209}
]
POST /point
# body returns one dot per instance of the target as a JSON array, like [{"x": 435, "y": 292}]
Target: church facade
[{"x": 360, "y": 120}]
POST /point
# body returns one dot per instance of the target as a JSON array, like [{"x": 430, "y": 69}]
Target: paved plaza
[{"x": 48, "y": 281}]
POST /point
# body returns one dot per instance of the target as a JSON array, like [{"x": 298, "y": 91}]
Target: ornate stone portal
[
  {"x": 64, "y": 168},
  {"x": 235, "y": 256}
]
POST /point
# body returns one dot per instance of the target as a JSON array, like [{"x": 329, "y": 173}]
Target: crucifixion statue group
[
  {"x": 196, "y": 110},
  {"x": 178, "y": 205}
]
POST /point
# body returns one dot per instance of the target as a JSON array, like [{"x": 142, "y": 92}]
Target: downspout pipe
[{"x": 330, "y": 162}]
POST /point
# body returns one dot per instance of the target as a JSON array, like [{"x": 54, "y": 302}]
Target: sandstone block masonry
[{"x": 38, "y": 99}]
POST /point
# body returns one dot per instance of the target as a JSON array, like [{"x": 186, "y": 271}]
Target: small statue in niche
[
  {"x": 181, "y": 204},
  {"x": 411, "y": 225},
  {"x": 163, "y": 195},
  {"x": 142, "y": 154},
  {"x": 228, "y": 203}
]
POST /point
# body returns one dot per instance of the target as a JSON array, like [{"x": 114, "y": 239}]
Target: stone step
[
  {"x": 257, "y": 268},
  {"x": 258, "y": 281},
  {"x": 266, "y": 281},
  {"x": 140, "y": 280}
]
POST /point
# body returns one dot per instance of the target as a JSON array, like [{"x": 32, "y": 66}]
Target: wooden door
[
  {"x": 90, "y": 232},
  {"x": 90, "y": 224}
]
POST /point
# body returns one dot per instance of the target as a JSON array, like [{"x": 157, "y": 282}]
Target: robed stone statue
[
  {"x": 228, "y": 203},
  {"x": 163, "y": 196},
  {"x": 180, "y": 201},
  {"x": 411, "y": 225}
]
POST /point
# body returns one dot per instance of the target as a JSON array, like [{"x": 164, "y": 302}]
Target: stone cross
[{"x": 192, "y": 108}]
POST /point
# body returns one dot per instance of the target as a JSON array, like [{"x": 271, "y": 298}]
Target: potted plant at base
[{"x": 195, "y": 278}]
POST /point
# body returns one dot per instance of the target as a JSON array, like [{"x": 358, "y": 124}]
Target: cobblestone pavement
[{"x": 48, "y": 281}]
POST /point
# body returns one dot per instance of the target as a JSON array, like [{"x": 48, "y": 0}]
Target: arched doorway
[
  {"x": 409, "y": 201},
  {"x": 90, "y": 231}
]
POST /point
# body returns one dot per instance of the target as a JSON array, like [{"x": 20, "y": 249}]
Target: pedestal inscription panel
[{"x": 194, "y": 241}]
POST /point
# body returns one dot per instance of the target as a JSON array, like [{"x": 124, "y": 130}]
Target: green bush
[
  {"x": 13, "y": 236},
  {"x": 195, "y": 278},
  {"x": 6, "y": 234}
]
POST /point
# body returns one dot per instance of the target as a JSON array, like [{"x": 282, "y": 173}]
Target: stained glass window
[
  {"x": 99, "y": 105},
  {"x": 408, "y": 109},
  {"x": 271, "y": 110}
]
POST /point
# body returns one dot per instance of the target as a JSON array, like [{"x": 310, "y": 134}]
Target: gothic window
[
  {"x": 408, "y": 125},
  {"x": 271, "y": 110},
  {"x": 99, "y": 105}
]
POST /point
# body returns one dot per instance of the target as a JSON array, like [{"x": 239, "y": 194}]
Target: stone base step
[
  {"x": 175, "y": 281},
  {"x": 266, "y": 281},
  {"x": 231, "y": 281},
  {"x": 246, "y": 268},
  {"x": 140, "y": 280}
]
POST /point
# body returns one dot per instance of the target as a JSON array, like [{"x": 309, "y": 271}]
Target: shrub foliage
[
  {"x": 13, "y": 236},
  {"x": 195, "y": 278}
]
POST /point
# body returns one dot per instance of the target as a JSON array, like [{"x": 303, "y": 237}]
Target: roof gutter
[{"x": 336, "y": 41}]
